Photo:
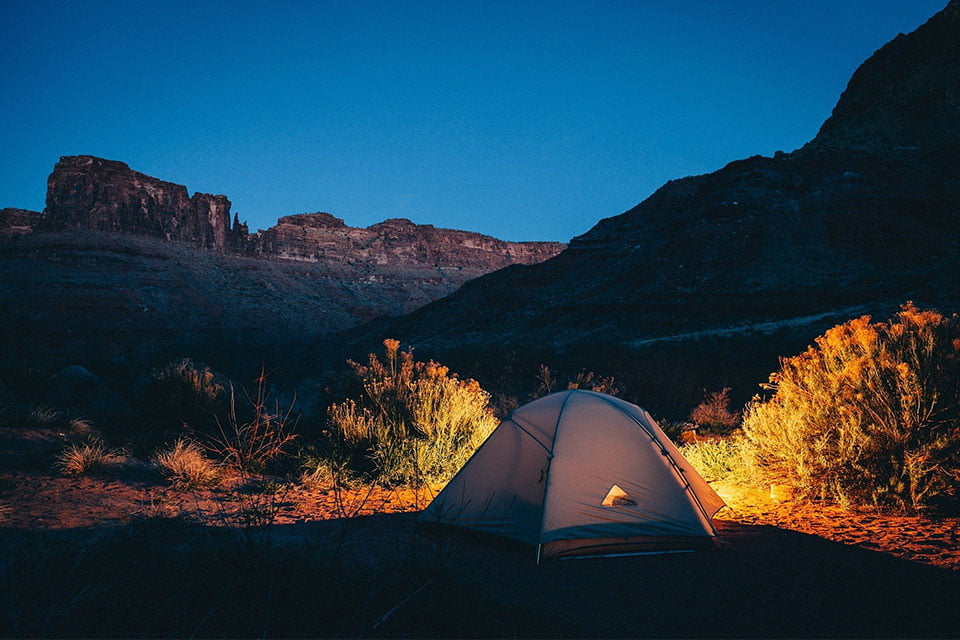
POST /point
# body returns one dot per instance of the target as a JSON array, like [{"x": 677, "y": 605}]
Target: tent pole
[{"x": 538, "y": 554}]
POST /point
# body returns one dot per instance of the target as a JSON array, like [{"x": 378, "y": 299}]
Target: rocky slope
[
  {"x": 862, "y": 218},
  {"x": 123, "y": 268}
]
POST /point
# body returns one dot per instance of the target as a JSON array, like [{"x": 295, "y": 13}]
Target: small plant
[
  {"x": 82, "y": 427},
  {"x": 88, "y": 457},
  {"x": 186, "y": 466},
  {"x": 46, "y": 417},
  {"x": 316, "y": 469},
  {"x": 550, "y": 382},
  {"x": 718, "y": 459},
  {"x": 714, "y": 412},
  {"x": 183, "y": 391},
  {"x": 250, "y": 443}
]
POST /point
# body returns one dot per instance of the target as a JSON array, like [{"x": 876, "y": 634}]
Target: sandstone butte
[{"x": 85, "y": 192}]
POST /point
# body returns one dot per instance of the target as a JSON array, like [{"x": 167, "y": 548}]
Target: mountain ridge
[
  {"x": 864, "y": 216},
  {"x": 87, "y": 192}
]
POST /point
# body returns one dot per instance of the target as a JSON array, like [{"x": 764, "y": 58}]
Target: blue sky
[{"x": 525, "y": 120}]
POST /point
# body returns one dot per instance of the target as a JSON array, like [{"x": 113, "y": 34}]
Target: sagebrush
[
  {"x": 868, "y": 414},
  {"x": 413, "y": 422},
  {"x": 183, "y": 392},
  {"x": 718, "y": 459}
]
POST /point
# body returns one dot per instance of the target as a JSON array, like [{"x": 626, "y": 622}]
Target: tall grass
[
  {"x": 413, "y": 422},
  {"x": 867, "y": 415},
  {"x": 249, "y": 441}
]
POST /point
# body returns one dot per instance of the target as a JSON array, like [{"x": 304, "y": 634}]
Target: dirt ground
[{"x": 786, "y": 569}]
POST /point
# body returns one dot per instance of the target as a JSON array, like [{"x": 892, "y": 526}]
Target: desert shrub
[
  {"x": 183, "y": 391},
  {"x": 867, "y": 415},
  {"x": 186, "y": 466},
  {"x": 43, "y": 416},
  {"x": 718, "y": 459},
  {"x": 714, "y": 412},
  {"x": 413, "y": 422},
  {"x": 249, "y": 440},
  {"x": 88, "y": 457}
]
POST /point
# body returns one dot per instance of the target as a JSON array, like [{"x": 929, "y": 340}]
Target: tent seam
[{"x": 546, "y": 482}]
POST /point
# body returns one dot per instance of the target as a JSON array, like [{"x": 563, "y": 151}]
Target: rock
[
  {"x": 81, "y": 393},
  {"x": 92, "y": 193},
  {"x": 17, "y": 222}
]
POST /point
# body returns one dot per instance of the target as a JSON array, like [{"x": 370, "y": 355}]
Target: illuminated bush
[
  {"x": 718, "y": 459},
  {"x": 869, "y": 414},
  {"x": 413, "y": 422},
  {"x": 186, "y": 466},
  {"x": 88, "y": 457}
]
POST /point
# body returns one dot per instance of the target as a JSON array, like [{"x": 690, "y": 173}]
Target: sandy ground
[
  {"x": 786, "y": 569},
  {"x": 43, "y": 500}
]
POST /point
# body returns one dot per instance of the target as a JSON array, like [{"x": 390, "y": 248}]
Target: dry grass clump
[
  {"x": 868, "y": 415},
  {"x": 414, "y": 421},
  {"x": 89, "y": 457},
  {"x": 549, "y": 381},
  {"x": 186, "y": 466}
]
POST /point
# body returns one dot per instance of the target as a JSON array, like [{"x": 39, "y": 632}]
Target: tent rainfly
[{"x": 580, "y": 473}]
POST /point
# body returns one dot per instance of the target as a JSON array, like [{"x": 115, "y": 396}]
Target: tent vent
[{"x": 617, "y": 497}]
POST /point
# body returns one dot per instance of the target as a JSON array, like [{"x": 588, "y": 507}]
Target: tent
[{"x": 581, "y": 473}]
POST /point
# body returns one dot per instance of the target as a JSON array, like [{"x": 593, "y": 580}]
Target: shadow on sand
[{"x": 384, "y": 575}]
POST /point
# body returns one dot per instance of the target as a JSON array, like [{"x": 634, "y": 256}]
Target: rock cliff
[
  {"x": 321, "y": 237},
  {"x": 92, "y": 193},
  {"x": 85, "y": 192}
]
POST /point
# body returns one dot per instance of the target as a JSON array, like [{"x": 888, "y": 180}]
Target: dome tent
[{"x": 581, "y": 473}]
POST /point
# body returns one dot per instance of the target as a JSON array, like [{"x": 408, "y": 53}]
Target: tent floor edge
[{"x": 640, "y": 545}]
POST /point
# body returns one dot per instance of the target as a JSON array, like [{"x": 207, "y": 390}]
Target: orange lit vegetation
[
  {"x": 412, "y": 423},
  {"x": 714, "y": 412},
  {"x": 186, "y": 466},
  {"x": 89, "y": 457},
  {"x": 867, "y": 415}
]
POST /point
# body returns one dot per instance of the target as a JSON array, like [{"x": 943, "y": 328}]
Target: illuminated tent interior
[{"x": 581, "y": 473}]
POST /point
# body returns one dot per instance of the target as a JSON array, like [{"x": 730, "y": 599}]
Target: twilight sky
[{"x": 521, "y": 119}]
